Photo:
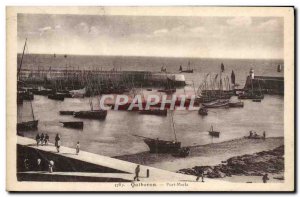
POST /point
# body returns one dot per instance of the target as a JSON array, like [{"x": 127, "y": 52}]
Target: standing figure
[
  {"x": 37, "y": 138},
  {"x": 264, "y": 135},
  {"x": 42, "y": 138},
  {"x": 46, "y": 140},
  {"x": 51, "y": 165},
  {"x": 77, "y": 148},
  {"x": 265, "y": 178},
  {"x": 39, "y": 165},
  {"x": 137, "y": 171},
  {"x": 57, "y": 142},
  {"x": 26, "y": 164}
]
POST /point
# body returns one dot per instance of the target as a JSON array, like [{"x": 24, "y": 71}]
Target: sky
[{"x": 166, "y": 36}]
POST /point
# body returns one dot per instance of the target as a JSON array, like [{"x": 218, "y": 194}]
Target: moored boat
[
  {"x": 26, "y": 126},
  {"x": 203, "y": 111},
  {"x": 153, "y": 111},
  {"x": 216, "y": 104},
  {"x": 56, "y": 96},
  {"x": 66, "y": 112},
  {"x": 213, "y": 133},
  {"x": 73, "y": 124},
  {"x": 93, "y": 114}
]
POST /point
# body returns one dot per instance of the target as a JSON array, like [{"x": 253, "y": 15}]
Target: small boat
[
  {"x": 25, "y": 95},
  {"x": 167, "y": 91},
  {"x": 59, "y": 97},
  {"x": 26, "y": 126},
  {"x": 93, "y": 114},
  {"x": 153, "y": 111},
  {"x": 66, "y": 112},
  {"x": 216, "y": 104},
  {"x": 256, "y": 100},
  {"x": 73, "y": 124},
  {"x": 213, "y": 133},
  {"x": 163, "y": 146},
  {"x": 43, "y": 92},
  {"x": 203, "y": 111},
  {"x": 182, "y": 152},
  {"x": 235, "y": 103},
  {"x": 188, "y": 70},
  {"x": 149, "y": 89}
]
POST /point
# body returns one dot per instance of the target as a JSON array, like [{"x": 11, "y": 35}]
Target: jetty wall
[{"x": 268, "y": 85}]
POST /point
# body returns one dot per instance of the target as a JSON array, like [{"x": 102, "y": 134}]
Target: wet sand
[{"x": 205, "y": 155}]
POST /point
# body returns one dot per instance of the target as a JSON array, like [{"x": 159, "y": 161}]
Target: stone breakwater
[{"x": 256, "y": 164}]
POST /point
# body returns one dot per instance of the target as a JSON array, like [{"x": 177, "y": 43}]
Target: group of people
[
  {"x": 39, "y": 165},
  {"x": 42, "y": 139},
  {"x": 255, "y": 135}
]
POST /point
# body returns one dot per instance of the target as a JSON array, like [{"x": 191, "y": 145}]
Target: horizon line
[{"x": 60, "y": 54}]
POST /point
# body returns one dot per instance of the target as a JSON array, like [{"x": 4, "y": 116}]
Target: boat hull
[
  {"x": 27, "y": 126},
  {"x": 74, "y": 125},
  {"x": 161, "y": 146},
  {"x": 96, "y": 114}
]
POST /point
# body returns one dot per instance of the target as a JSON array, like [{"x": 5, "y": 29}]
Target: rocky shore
[{"x": 256, "y": 164}]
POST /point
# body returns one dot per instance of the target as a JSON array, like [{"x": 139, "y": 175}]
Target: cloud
[
  {"x": 57, "y": 27},
  {"x": 83, "y": 27},
  {"x": 270, "y": 25},
  {"x": 160, "y": 31},
  {"x": 198, "y": 30},
  {"x": 42, "y": 30},
  {"x": 239, "y": 21}
]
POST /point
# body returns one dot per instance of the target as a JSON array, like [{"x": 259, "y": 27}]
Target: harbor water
[{"x": 114, "y": 135}]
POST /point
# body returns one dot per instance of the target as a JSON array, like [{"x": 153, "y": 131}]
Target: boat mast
[
  {"x": 32, "y": 111},
  {"x": 173, "y": 126},
  {"x": 18, "y": 74}
]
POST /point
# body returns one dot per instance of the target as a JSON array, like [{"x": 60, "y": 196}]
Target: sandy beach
[{"x": 205, "y": 155}]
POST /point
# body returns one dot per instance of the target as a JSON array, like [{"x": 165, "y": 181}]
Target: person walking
[
  {"x": 57, "y": 142},
  {"x": 51, "y": 165},
  {"x": 77, "y": 148},
  {"x": 42, "y": 139},
  {"x": 46, "y": 140},
  {"x": 265, "y": 178},
  {"x": 37, "y": 139},
  {"x": 39, "y": 165},
  {"x": 137, "y": 171}
]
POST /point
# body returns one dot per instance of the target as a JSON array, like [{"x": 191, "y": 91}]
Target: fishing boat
[
  {"x": 213, "y": 133},
  {"x": 154, "y": 111},
  {"x": 93, "y": 114},
  {"x": 66, "y": 112},
  {"x": 73, "y": 124},
  {"x": 216, "y": 104},
  {"x": 28, "y": 125},
  {"x": 256, "y": 100},
  {"x": 233, "y": 102},
  {"x": 188, "y": 70},
  {"x": 25, "y": 95},
  {"x": 222, "y": 67},
  {"x": 56, "y": 96},
  {"x": 203, "y": 111},
  {"x": 167, "y": 91},
  {"x": 163, "y": 146}
]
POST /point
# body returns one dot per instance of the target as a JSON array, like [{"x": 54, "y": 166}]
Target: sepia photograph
[{"x": 150, "y": 99}]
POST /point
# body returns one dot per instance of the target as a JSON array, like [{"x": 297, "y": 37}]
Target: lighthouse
[{"x": 251, "y": 73}]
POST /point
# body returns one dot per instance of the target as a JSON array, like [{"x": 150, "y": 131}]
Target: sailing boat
[
  {"x": 29, "y": 125},
  {"x": 91, "y": 114},
  {"x": 222, "y": 67},
  {"x": 163, "y": 146},
  {"x": 213, "y": 133},
  {"x": 188, "y": 70},
  {"x": 232, "y": 78}
]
